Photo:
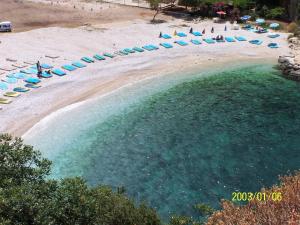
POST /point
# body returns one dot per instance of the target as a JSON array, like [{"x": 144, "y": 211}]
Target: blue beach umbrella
[
  {"x": 274, "y": 25},
  {"x": 246, "y": 17},
  {"x": 260, "y": 21},
  {"x": 3, "y": 86}
]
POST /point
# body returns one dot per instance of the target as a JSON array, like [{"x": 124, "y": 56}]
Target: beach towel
[
  {"x": 109, "y": 55},
  {"x": 87, "y": 59},
  {"x": 274, "y": 35},
  {"x": 240, "y": 38},
  {"x": 17, "y": 75},
  {"x": 5, "y": 101},
  {"x": 78, "y": 64},
  {"x": 32, "y": 80},
  {"x": 196, "y": 33},
  {"x": 137, "y": 49},
  {"x": 273, "y": 45},
  {"x": 181, "y": 34},
  {"x": 256, "y": 42},
  {"x": 58, "y": 72},
  {"x": 99, "y": 57},
  {"x": 209, "y": 41},
  {"x": 196, "y": 42},
  {"x": 229, "y": 39},
  {"x": 166, "y": 36},
  {"x": 69, "y": 67},
  {"x": 181, "y": 43},
  {"x": 11, "y": 94},
  {"x": 33, "y": 86},
  {"x": 10, "y": 80},
  {"x": 166, "y": 45},
  {"x": 3, "y": 86},
  {"x": 46, "y": 66},
  {"x": 21, "y": 89}
]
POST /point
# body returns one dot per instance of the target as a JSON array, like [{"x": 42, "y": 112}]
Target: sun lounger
[
  {"x": 196, "y": 42},
  {"x": 78, "y": 64},
  {"x": 256, "y": 42},
  {"x": 261, "y": 31},
  {"x": 5, "y": 101},
  {"x": 209, "y": 40},
  {"x": 120, "y": 53},
  {"x": 109, "y": 55},
  {"x": 3, "y": 86},
  {"x": 69, "y": 67},
  {"x": 29, "y": 71},
  {"x": 240, "y": 38},
  {"x": 11, "y": 94},
  {"x": 273, "y": 45},
  {"x": 87, "y": 59},
  {"x": 148, "y": 48},
  {"x": 154, "y": 47},
  {"x": 220, "y": 41},
  {"x": 181, "y": 34},
  {"x": 58, "y": 72},
  {"x": 137, "y": 49},
  {"x": 17, "y": 75},
  {"x": 181, "y": 43},
  {"x": 274, "y": 35},
  {"x": 197, "y": 34},
  {"x": 46, "y": 66},
  {"x": 128, "y": 50},
  {"x": 32, "y": 80},
  {"x": 32, "y": 86},
  {"x": 166, "y": 45},
  {"x": 166, "y": 36},
  {"x": 99, "y": 57},
  {"x": 229, "y": 39},
  {"x": 21, "y": 89},
  {"x": 46, "y": 75},
  {"x": 10, "y": 80}
]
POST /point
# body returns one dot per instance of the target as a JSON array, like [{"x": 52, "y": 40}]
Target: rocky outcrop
[{"x": 289, "y": 67}]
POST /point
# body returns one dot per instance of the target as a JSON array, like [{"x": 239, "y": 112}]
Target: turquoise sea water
[{"x": 195, "y": 141}]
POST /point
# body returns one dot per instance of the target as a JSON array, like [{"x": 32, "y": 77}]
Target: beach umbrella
[
  {"x": 246, "y": 17},
  {"x": 260, "y": 21},
  {"x": 274, "y": 25}
]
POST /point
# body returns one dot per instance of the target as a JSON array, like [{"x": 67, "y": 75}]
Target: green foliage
[
  {"x": 154, "y": 4},
  {"x": 27, "y": 198},
  {"x": 276, "y": 13},
  {"x": 204, "y": 210},
  {"x": 180, "y": 220}
]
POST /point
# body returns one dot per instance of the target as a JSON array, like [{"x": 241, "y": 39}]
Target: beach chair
[
  {"x": 240, "y": 38},
  {"x": 209, "y": 40},
  {"x": 32, "y": 86},
  {"x": 99, "y": 57},
  {"x": 181, "y": 43},
  {"x": 46, "y": 75},
  {"x": 46, "y": 66},
  {"x": 166, "y": 45},
  {"x": 196, "y": 42},
  {"x": 154, "y": 47},
  {"x": 32, "y": 80},
  {"x": 197, "y": 34},
  {"x": 166, "y": 36},
  {"x": 87, "y": 59},
  {"x": 3, "y": 86},
  {"x": 21, "y": 89},
  {"x": 137, "y": 49},
  {"x": 58, "y": 72},
  {"x": 229, "y": 39},
  {"x": 69, "y": 67},
  {"x": 5, "y": 101},
  {"x": 109, "y": 55},
  {"x": 148, "y": 48},
  {"x": 256, "y": 42},
  {"x": 9, "y": 80},
  {"x": 129, "y": 50},
  {"x": 11, "y": 94},
  {"x": 274, "y": 35},
  {"x": 273, "y": 45},
  {"x": 78, "y": 64},
  {"x": 181, "y": 34}
]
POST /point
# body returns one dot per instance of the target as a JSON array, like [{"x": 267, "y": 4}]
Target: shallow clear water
[{"x": 195, "y": 142}]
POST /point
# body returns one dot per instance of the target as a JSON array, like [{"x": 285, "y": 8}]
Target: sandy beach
[{"x": 102, "y": 77}]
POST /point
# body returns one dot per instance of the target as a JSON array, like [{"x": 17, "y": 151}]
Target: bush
[
  {"x": 276, "y": 13},
  {"x": 292, "y": 27}
]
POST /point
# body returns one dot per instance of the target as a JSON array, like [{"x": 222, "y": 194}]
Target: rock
[
  {"x": 284, "y": 59},
  {"x": 294, "y": 40},
  {"x": 295, "y": 73}
]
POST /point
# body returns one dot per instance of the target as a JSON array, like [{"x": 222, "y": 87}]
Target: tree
[
  {"x": 28, "y": 198},
  {"x": 154, "y": 4},
  {"x": 293, "y": 10}
]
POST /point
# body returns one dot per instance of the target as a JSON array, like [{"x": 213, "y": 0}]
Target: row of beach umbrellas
[{"x": 260, "y": 21}]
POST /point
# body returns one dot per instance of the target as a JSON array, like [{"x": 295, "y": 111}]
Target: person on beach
[
  {"x": 191, "y": 30},
  {"x": 212, "y": 30},
  {"x": 225, "y": 29},
  {"x": 39, "y": 69},
  {"x": 203, "y": 32},
  {"x": 160, "y": 35},
  {"x": 175, "y": 33}
]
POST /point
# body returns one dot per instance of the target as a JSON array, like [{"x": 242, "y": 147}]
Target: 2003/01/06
[{"x": 258, "y": 196}]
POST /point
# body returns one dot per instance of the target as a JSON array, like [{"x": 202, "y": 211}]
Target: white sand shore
[{"x": 102, "y": 77}]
